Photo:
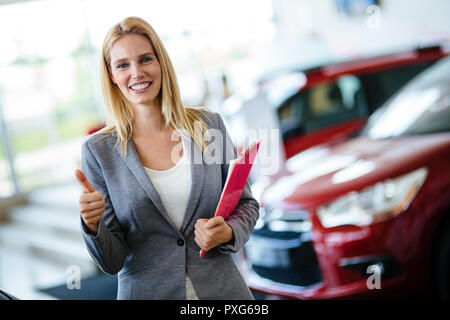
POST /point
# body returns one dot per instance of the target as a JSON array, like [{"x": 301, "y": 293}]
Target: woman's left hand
[{"x": 210, "y": 233}]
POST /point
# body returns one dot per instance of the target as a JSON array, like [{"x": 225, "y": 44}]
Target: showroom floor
[{"x": 41, "y": 243}]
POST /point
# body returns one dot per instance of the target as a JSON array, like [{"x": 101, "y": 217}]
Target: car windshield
[{"x": 422, "y": 107}]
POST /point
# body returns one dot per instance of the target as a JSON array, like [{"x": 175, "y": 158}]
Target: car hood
[{"x": 321, "y": 174}]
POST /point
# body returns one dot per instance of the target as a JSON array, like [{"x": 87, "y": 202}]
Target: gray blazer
[{"x": 137, "y": 239}]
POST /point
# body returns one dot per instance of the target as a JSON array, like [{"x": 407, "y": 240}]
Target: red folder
[{"x": 238, "y": 173}]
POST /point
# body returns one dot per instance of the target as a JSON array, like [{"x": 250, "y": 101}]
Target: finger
[
  {"x": 93, "y": 215},
  {"x": 202, "y": 234},
  {"x": 200, "y": 243},
  {"x": 92, "y": 221},
  {"x": 200, "y": 223},
  {"x": 86, "y": 207},
  {"x": 91, "y": 197},
  {"x": 216, "y": 221},
  {"x": 204, "y": 230},
  {"x": 83, "y": 181},
  {"x": 207, "y": 238}
]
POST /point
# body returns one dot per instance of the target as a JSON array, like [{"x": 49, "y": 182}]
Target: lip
[{"x": 142, "y": 90}]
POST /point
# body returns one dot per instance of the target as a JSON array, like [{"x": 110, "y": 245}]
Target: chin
[
  {"x": 143, "y": 100},
  {"x": 147, "y": 102}
]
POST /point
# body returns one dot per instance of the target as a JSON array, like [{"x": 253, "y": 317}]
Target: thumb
[
  {"x": 214, "y": 222},
  {"x": 87, "y": 186}
]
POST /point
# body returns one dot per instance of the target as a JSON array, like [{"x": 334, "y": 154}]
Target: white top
[{"x": 174, "y": 187}]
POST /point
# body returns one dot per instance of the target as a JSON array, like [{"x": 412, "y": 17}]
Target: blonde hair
[{"x": 118, "y": 108}]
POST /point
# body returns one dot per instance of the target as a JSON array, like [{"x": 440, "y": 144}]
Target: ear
[{"x": 111, "y": 76}]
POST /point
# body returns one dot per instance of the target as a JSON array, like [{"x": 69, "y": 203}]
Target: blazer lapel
[
  {"x": 135, "y": 165},
  {"x": 194, "y": 154}
]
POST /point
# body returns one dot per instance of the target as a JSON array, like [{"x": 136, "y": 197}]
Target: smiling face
[{"x": 135, "y": 69}]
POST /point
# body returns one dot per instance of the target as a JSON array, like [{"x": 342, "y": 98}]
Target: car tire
[{"x": 443, "y": 264}]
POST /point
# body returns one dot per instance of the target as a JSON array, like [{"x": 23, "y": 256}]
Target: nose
[{"x": 136, "y": 71}]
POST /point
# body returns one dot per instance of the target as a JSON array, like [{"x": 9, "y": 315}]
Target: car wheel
[{"x": 443, "y": 264}]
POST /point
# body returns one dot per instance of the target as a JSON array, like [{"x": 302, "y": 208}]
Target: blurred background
[{"x": 223, "y": 51}]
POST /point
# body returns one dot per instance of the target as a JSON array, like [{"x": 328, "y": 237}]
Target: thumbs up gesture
[{"x": 92, "y": 205}]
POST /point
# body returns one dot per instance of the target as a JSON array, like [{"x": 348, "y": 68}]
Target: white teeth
[{"x": 140, "y": 86}]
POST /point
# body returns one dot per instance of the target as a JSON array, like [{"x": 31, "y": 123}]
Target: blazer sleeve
[
  {"x": 246, "y": 213},
  {"x": 108, "y": 248}
]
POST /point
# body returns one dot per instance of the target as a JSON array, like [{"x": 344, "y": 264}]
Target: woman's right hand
[{"x": 92, "y": 205}]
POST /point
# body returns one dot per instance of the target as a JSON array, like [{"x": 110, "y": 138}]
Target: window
[
  {"x": 321, "y": 106},
  {"x": 334, "y": 103},
  {"x": 333, "y": 98},
  {"x": 49, "y": 69},
  {"x": 421, "y": 107},
  {"x": 47, "y": 85},
  {"x": 290, "y": 116},
  {"x": 382, "y": 85},
  {"x": 6, "y": 183}
]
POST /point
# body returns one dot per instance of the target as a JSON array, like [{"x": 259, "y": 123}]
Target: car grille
[
  {"x": 286, "y": 257},
  {"x": 292, "y": 276}
]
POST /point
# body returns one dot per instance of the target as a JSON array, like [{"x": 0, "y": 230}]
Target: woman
[{"x": 148, "y": 200}]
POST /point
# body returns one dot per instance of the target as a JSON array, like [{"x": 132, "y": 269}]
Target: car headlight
[{"x": 382, "y": 201}]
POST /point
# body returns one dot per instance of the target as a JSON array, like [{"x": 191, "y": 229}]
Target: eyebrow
[{"x": 140, "y": 56}]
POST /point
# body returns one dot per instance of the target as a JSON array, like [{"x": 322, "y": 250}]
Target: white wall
[
  {"x": 309, "y": 31},
  {"x": 430, "y": 14}
]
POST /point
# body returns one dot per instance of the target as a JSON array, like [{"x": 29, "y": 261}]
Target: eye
[
  {"x": 121, "y": 66},
  {"x": 147, "y": 59}
]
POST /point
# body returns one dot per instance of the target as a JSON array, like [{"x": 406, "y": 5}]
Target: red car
[
  {"x": 364, "y": 218},
  {"x": 332, "y": 101}
]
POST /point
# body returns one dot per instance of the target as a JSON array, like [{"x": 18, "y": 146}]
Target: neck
[{"x": 148, "y": 120}]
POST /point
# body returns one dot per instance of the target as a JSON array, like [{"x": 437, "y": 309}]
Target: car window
[
  {"x": 290, "y": 115},
  {"x": 381, "y": 85},
  {"x": 422, "y": 107},
  {"x": 321, "y": 106},
  {"x": 335, "y": 97},
  {"x": 420, "y": 112},
  {"x": 432, "y": 120},
  {"x": 334, "y": 103}
]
